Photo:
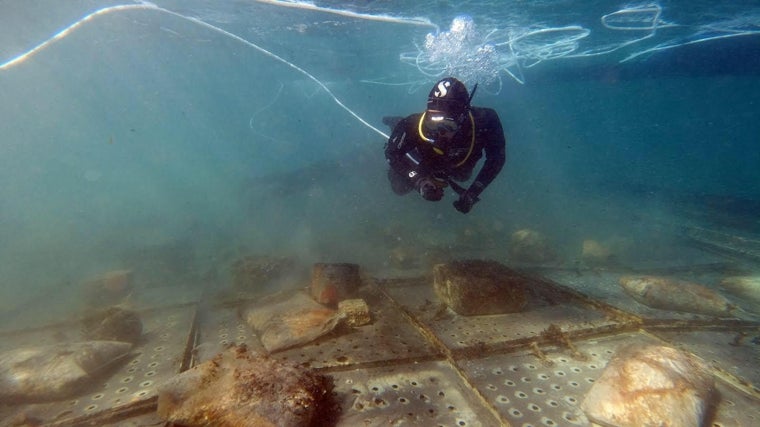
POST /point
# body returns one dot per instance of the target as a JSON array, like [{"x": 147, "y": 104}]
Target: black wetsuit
[{"x": 411, "y": 157}]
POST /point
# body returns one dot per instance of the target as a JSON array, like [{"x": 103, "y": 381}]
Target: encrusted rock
[
  {"x": 651, "y": 385},
  {"x": 112, "y": 324},
  {"x": 677, "y": 295},
  {"x": 746, "y": 288},
  {"x": 58, "y": 371},
  {"x": 355, "y": 312},
  {"x": 290, "y": 320},
  {"x": 476, "y": 287},
  {"x": 239, "y": 388},
  {"x": 331, "y": 283},
  {"x": 530, "y": 246},
  {"x": 110, "y": 288}
]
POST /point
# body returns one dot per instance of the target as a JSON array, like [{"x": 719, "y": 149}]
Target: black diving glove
[
  {"x": 468, "y": 197},
  {"x": 465, "y": 202}
]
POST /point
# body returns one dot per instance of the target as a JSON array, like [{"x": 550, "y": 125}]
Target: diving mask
[{"x": 438, "y": 127}]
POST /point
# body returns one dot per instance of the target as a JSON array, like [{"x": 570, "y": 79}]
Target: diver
[{"x": 431, "y": 150}]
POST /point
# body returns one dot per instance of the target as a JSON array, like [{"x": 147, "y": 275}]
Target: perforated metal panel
[
  {"x": 419, "y": 363},
  {"x": 604, "y": 286},
  {"x": 734, "y": 352},
  {"x": 459, "y": 333},
  {"x": 429, "y": 393},
  {"x": 529, "y": 391},
  {"x": 389, "y": 337},
  {"x": 132, "y": 387}
]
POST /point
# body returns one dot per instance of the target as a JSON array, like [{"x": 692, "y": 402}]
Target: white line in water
[
  {"x": 269, "y": 104},
  {"x": 149, "y": 6},
  {"x": 424, "y": 22},
  {"x": 66, "y": 31}
]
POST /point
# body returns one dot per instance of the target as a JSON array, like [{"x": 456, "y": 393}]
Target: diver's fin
[{"x": 392, "y": 121}]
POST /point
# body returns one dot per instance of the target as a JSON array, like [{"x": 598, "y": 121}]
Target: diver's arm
[
  {"x": 496, "y": 154},
  {"x": 400, "y": 153}
]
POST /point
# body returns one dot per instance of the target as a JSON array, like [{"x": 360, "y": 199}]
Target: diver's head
[
  {"x": 447, "y": 107},
  {"x": 449, "y": 96}
]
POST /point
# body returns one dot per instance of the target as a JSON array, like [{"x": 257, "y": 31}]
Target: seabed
[{"x": 418, "y": 363}]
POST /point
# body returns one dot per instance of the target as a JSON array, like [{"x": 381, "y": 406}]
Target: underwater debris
[
  {"x": 291, "y": 322},
  {"x": 55, "y": 372},
  {"x": 528, "y": 245},
  {"x": 355, "y": 311},
  {"x": 242, "y": 388},
  {"x": 555, "y": 335},
  {"x": 651, "y": 386},
  {"x": 112, "y": 324},
  {"x": 332, "y": 283},
  {"x": 477, "y": 287},
  {"x": 536, "y": 350},
  {"x": 676, "y": 295},
  {"x": 110, "y": 288}
]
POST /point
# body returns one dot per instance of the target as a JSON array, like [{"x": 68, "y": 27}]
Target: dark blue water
[{"x": 215, "y": 129}]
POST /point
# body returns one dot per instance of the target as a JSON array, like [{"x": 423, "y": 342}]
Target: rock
[
  {"x": 745, "y": 287},
  {"x": 651, "y": 386},
  {"x": 55, "y": 372},
  {"x": 110, "y": 288},
  {"x": 476, "y": 287},
  {"x": 290, "y": 321},
  {"x": 257, "y": 272},
  {"x": 676, "y": 295},
  {"x": 355, "y": 311},
  {"x": 331, "y": 283},
  {"x": 112, "y": 324},
  {"x": 530, "y": 246},
  {"x": 239, "y": 388},
  {"x": 594, "y": 253}
]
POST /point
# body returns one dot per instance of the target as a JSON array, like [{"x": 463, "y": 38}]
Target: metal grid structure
[
  {"x": 418, "y": 363},
  {"x": 131, "y": 389}
]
